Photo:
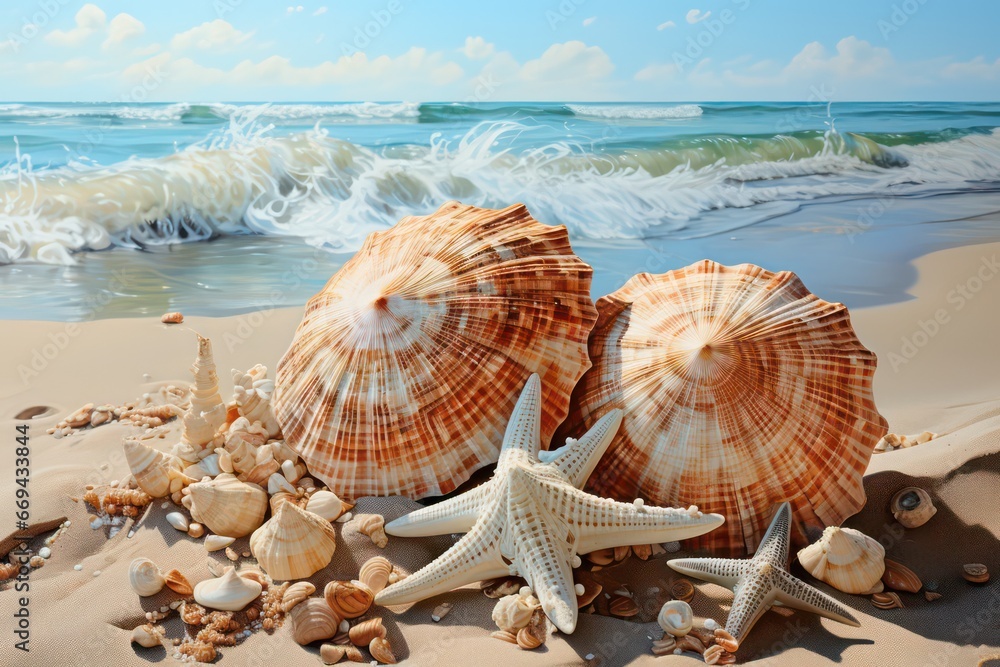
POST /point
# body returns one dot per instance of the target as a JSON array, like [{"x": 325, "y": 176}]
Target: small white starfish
[
  {"x": 531, "y": 518},
  {"x": 763, "y": 581}
]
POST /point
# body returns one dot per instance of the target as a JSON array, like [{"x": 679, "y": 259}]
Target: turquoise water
[{"x": 90, "y": 189}]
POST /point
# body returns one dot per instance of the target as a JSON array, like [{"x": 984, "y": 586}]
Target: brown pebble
[
  {"x": 975, "y": 573},
  {"x": 172, "y": 318},
  {"x": 931, "y": 596},
  {"x": 683, "y": 590}
]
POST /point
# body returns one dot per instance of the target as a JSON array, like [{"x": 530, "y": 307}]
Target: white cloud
[
  {"x": 665, "y": 25},
  {"x": 292, "y": 10},
  {"x": 570, "y": 60},
  {"x": 477, "y": 48},
  {"x": 695, "y": 16},
  {"x": 121, "y": 29},
  {"x": 320, "y": 11},
  {"x": 977, "y": 68},
  {"x": 217, "y": 35},
  {"x": 854, "y": 58},
  {"x": 588, "y": 21},
  {"x": 664, "y": 72},
  {"x": 90, "y": 20}
]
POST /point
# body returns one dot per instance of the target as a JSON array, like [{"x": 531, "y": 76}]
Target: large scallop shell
[
  {"x": 228, "y": 506},
  {"x": 847, "y": 559},
  {"x": 741, "y": 389},
  {"x": 294, "y": 543},
  {"x": 404, "y": 371}
]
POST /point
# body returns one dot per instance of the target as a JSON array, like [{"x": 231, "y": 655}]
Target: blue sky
[{"x": 567, "y": 50}]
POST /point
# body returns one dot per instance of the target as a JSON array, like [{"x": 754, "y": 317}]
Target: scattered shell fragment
[
  {"x": 440, "y": 611},
  {"x": 602, "y": 557},
  {"x": 217, "y": 542},
  {"x": 845, "y": 558},
  {"x": 975, "y": 573},
  {"x": 172, "y": 318},
  {"x": 912, "y": 507},
  {"x": 295, "y": 594},
  {"x": 147, "y": 635},
  {"x": 294, "y": 543},
  {"x": 622, "y": 606},
  {"x": 373, "y": 525},
  {"x": 591, "y": 588},
  {"x": 196, "y": 530},
  {"x": 312, "y": 620},
  {"x": 178, "y": 583},
  {"x": 682, "y": 589},
  {"x": 504, "y": 636},
  {"x": 887, "y": 600},
  {"x": 349, "y": 599},
  {"x": 690, "y": 643},
  {"x": 144, "y": 577},
  {"x": 331, "y": 654},
  {"x": 178, "y": 521},
  {"x": 893, "y": 441},
  {"x": 725, "y": 640},
  {"x": 716, "y": 655},
  {"x": 665, "y": 645},
  {"x": 533, "y": 635},
  {"x": 676, "y": 618},
  {"x": 381, "y": 650},
  {"x": 375, "y": 573},
  {"x": 502, "y": 587},
  {"x": 364, "y": 632},
  {"x": 898, "y": 577}
]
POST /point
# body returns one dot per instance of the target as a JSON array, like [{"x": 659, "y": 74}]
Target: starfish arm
[
  {"x": 578, "y": 460},
  {"x": 724, "y": 572},
  {"x": 541, "y": 552},
  {"x": 525, "y": 426},
  {"x": 473, "y": 558},
  {"x": 752, "y": 597},
  {"x": 773, "y": 547},
  {"x": 600, "y": 523},
  {"x": 455, "y": 515},
  {"x": 797, "y": 594}
]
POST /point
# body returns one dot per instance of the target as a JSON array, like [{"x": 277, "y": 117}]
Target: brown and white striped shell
[
  {"x": 741, "y": 389},
  {"x": 405, "y": 369},
  {"x": 293, "y": 543}
]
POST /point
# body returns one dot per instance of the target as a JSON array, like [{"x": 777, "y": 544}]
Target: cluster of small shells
[
  {"x": 149, "y": 411},
  {"x": 520, "y": 620},
  {"x": 893, "y": 441},
  {"x": 23, "y": 556},
  {"x": 328, "y": 617},
  {"x": 680, "y": 634}
]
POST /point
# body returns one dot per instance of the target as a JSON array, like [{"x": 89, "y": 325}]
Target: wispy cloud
[
  {"x": 320, "y": 11},
  {"x": 588, "y": 21},
  {"x": 217, "y": 35},
  {"x": 665, "y": 25},
  {"x": 696, "y": 16}
]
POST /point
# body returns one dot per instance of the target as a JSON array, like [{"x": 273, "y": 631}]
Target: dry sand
[{"x": 946, "y": 379}]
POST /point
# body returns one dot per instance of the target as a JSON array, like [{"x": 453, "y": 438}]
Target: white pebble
[
  {"x": 97, "y": 573},
  {"x": 638, "y": 502},
  {"x": 589, "y": 656},
  {"x": 580, "y": 590},
  {"x": 576, "y": 561},
  {"x": 710, "y": 624},
  {"x": 345, "y": 625},
  {"x": 164, "y": 506},
  {"x": 78, "y": 567},
  {"x": 525, "y": 591},
  {"x": 45, "y": 552},
  {"x": 68, "y": 522},
  {"x": 178, "y": 521}
]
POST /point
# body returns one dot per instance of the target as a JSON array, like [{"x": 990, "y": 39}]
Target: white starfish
[
  {"x": 763, "y": 581},
  {"x": 531, "y": 518}
]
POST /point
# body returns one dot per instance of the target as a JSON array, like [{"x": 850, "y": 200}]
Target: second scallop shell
[
  {"x": 847, "y": 559},
  {"x": 228, "y": 506},
  {"x": 294, "y": 543},
  {"x": 740, "y": 389},
  {"x": 404, "y": 371}
]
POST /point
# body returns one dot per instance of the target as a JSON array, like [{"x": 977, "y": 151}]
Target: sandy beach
[{"x": 937, "y": 372}]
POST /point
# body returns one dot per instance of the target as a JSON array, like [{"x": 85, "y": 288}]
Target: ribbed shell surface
[
  {"x": 741, "y": 389},
  {"x": 406, "y": 366}
]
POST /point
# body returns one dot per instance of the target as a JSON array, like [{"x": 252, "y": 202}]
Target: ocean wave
[
  {"x": 332, "y": 193},
  {"x": 636, "y": 111},
  {"x": 213, "y": 112}
]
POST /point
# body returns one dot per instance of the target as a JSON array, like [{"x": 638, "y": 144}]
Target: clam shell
[
  {"x": 898, "y": 577},
  {"x": 228, "y": 506},
  {"x": 144, "y": 577},
  {"x": 178, "y": 583},
  {"x": 375, "y": 573},
  {"x": 912, "y": 507},
  {"x": 364, "y": 632},
  {"x": 464, "y": 298},
  {"x": 294, "y": 543},
  {"x": 313, "y": 620},
  {"x": 381, "y": 650},
  {"x": 676, "y": 618},
  {"x": 327, "y": 505},
  {"x": 295, "y": 594},
  {"x": 887, "y": 600},
  {"x": 230, "y": 592},
  {"x": 349, "y": 599},
  {"x": 792, "y": 414},
  {"x": 150, "y": 467},
  {"x": 845, "y": 558}
]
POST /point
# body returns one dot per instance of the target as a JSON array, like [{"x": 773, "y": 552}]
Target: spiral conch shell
[
  {"x": 375, "y": 573},
  {"x": 740, "y": 389},
  {"x": 152, "y": 469},
  {"x": 207, "y": 412},
  {"x": 228, "y": 506},
  {"x": 847, "y": 559},
  {"x": 294, "y": 543},
  {"x": 144, "y": 577},
  {"x": 312, "y": 620},
  {"x": 230, "y": 592},
  {"x": 465, "y": 298},
  {"x": 373, "y": 525},
  {"x": 348, "y": 599}
]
